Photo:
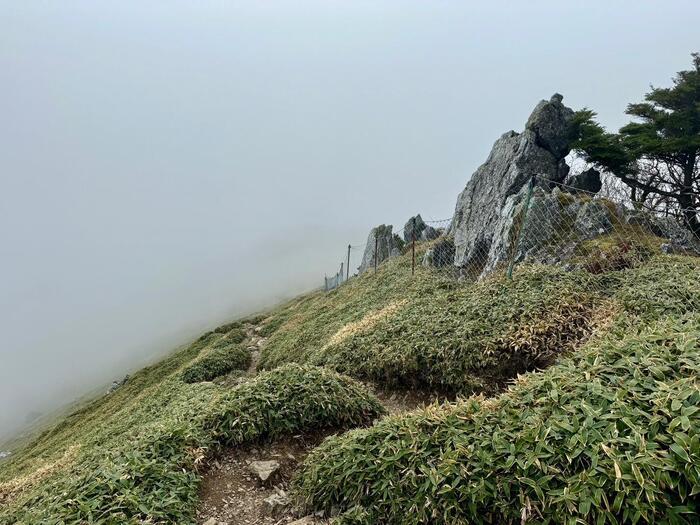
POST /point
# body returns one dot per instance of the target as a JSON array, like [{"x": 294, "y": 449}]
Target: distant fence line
[{"x": 549, "y": 223}]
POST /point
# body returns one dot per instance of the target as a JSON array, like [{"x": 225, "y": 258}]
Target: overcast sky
[{"x": 168, "y": 165}]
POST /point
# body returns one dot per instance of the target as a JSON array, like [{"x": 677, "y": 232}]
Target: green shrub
[
  {"x": 225, "y": 328},
  {"x": 218, "y": 362},
  {"x": 291, "y": 399},
  {"x": 609, "y": 435},
  {"x": 150, "y": 476}
]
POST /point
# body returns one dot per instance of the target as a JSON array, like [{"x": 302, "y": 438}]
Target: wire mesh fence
[{"x": 546, "y": 222}]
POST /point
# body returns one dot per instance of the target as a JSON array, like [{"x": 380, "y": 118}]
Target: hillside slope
[{"x": 607, "y": 432}]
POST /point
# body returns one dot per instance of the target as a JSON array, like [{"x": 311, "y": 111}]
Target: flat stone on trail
[{"x": 264, "y": 469}]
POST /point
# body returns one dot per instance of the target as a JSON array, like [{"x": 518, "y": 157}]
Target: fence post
[
  {"x": 376, "y": 244},
  {"x": 413, "y": 246},
  {"x": 530, "y": 189},
  {"x": 347, "y": 270}
]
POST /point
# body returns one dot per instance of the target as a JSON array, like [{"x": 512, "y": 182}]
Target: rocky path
[
  {"x": 233, "y": 491},
  {"x": 255, "y": 344},
  {"x": 248, "y": 485}
]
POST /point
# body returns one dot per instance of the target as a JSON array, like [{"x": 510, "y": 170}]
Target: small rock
[
  {"x": 264, "y": 469},
  {"x": 276, "y": 504}
]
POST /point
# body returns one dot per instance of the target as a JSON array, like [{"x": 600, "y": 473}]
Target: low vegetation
[
  {"x": 141, "y": 465},
  {"x": 220, "y": 361},
  {"x": 608, "y": 435}
]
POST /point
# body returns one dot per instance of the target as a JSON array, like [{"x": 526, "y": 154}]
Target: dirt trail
[
  {"x": 231, "y": 494},
  {"x": 255, "y": 343}
]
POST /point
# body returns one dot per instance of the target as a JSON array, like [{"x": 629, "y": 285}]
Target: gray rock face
[
  {"x": 440, "y": 255},
  {"x": 550, "y": 121},
  {"x": 409, "y": 232},
  {"x": 429, "y": 233},
  {"x": 514, "y": 159},
  {"x": 585, "y": 182},
  {"x": 680, "y": 239},
  {"x": 387, "y": 243},
  {"x": 594, "y": 218},
  {"x": 555, "y": 225}
]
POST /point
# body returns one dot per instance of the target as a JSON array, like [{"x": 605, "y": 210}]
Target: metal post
[
  {"x": 530, "y": 189},
  {"x": 376, "y": 245},
  {"x": 413, "y": 246},
  {"x": 347, "y": 270}
]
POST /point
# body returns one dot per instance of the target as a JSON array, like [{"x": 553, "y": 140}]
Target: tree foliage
[{"x": 658, "y": 153}]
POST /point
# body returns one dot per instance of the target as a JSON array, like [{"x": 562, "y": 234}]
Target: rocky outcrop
[
  {"x": 514, "y": 159},
  {"x": 387, "y": 245},
  {"x": 558, "y": 223},
  {"x": 680, "y": 239},
  {"x": 440, "y": 255},
  {"x": 587, "y": 181},
  {"x": 429, "y": 233},
  {"x": 413, "y": 228}
]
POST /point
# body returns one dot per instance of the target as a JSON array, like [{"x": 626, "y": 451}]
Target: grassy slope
[
  {"x": 132, "y": 455},
  {"x": 427, "y": 330},
  {"x": 607, "y": 435}
]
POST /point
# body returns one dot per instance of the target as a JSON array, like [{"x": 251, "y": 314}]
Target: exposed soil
[
  {"x": 232, "y": 494},
  {"x": 398, "y": 401}
]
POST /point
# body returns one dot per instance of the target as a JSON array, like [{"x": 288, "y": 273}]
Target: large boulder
[
  {"x": 587, "y": 181},
  {"x": 514, "y": 159},
  {"x": 413, "y": 228},
  {"x": 429, "y": 233},
  {"x": 387, "y": 245},
  {"x": 441, "y": 254},
  {"x": 555, "y": 225}
]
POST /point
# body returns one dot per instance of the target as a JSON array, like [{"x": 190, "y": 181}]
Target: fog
[{"x": 167, "y": 166}]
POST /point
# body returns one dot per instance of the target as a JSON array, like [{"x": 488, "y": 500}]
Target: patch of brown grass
[
  {"x": 12, "y": 488},
  {"x": 367, "y": 322}
]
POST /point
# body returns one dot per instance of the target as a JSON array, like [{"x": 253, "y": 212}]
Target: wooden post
[
  {"x": 413, "y": 246},
  {"x": 347, "y": 270},
  {"x": 376, "y": 245}
]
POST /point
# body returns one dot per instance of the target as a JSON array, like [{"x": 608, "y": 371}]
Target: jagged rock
[
  {"x": 547, "y": 234},
  {"x": 594, "y": 218},
  {"x": 514, "y": 159},
  {"x": 440, "y": 255},
  {"x": 429, "y": 233},
  {"x": 586, "y": 182},
  {"x": 680, "y": 239},
  {"x": 276, "y": 504},
  {"x": 409, "y": 233},
  {"x": 388, "y": 245},
  {"x": 264, "y": 470},
  {"x": 551, "y": 123}
]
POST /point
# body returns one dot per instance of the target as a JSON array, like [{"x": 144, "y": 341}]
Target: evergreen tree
[{"x": 658, "y": 153}]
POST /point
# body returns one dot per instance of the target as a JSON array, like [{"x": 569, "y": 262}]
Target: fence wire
[{"x": 545, "y": 223}]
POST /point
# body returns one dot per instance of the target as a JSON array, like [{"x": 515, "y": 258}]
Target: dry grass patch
[
  {"x": 12, "y": 488},
  {"x": 364, "y": 324}
]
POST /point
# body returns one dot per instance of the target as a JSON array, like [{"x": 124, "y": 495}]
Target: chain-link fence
[{"x": 546, "y": 223}]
